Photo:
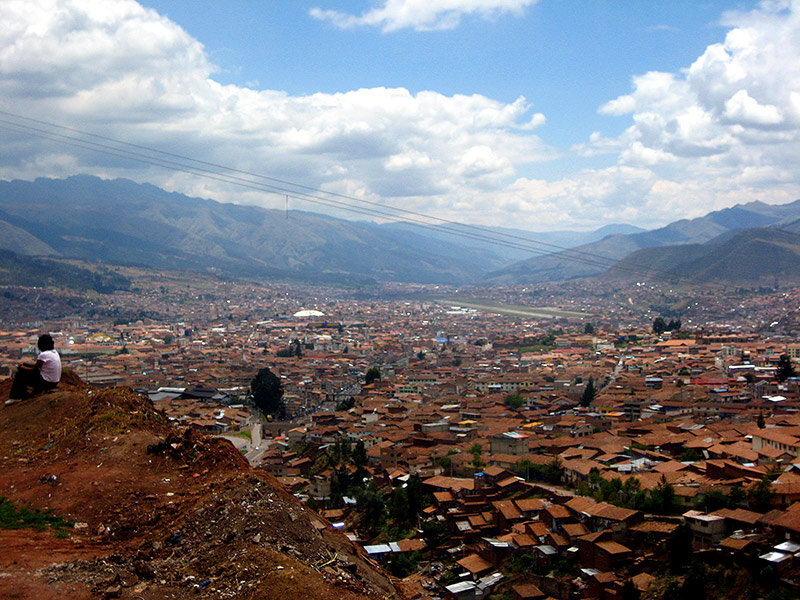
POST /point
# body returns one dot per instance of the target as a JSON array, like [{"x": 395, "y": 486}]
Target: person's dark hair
[{"x": 46, "y": 342}]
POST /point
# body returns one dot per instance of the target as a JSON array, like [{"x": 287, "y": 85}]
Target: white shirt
[{"x": 51, "y": 369}]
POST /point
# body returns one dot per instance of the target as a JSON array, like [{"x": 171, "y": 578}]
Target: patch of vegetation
[
  {"x": 515, "y": 401},
  {"x": 14, "y": 517},
  {"x": 17, "y": 269},
  {"x": 550, "y": 472},
  {"x": 628, "y": 494}
]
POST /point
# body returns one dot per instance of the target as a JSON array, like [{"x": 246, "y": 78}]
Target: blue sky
[
  {"x": 539, "y": 114},
  {"x": 565, "y": 57}
]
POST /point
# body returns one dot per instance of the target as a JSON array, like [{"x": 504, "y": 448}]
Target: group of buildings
[{"x": 516, "y": 427}]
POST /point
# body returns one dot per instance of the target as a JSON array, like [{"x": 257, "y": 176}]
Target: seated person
[{"x": 42, "y": 375}]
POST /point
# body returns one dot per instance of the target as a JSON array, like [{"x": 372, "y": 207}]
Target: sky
[{"x": 534, "y": 114}]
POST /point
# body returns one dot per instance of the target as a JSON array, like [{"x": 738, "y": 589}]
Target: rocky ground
[{"x": 155, "y": 512}]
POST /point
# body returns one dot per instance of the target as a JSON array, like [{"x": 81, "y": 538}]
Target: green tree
[
  {"x": 446, "y": 463},
  {"x": 736, "y": 497},
  {"x": 345, "y": 404},
  {"x": 359, "y": 454},
  {"x": 515, "y": 401},
  {"x": 667, "y": 496},
  {"x": 630, "y": 490},
  {"x": 552, "y": 471},
  {"x": 434, "y": 533},
  {"x": 476, "y": 450},
  {"x": 588, "y": 329},
  {"x": 659, "y": 325},
  {"x": 674, "y": 325},
  {"x": 589, "y": 393},
  {"x": 399, "y": 510},
  {"x": 528, "y": 469},
  {"x": 711, "y": 500},
  {"x": 267, "y": 392},
  {"x": 371, "y": 508},
  {"x": 761, "y": 495},
  {"x": 373, "y": 374},
  {"x": 690, "y": 455},
  {"x": 295, "y": 350},
  {"x": 416, "y": 498},
  {"x": 760, "y": 421},
  {"x": 401, "y": 565},
  {"x": 785, "y": 368}
]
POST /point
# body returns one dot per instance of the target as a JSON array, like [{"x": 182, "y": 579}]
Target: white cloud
[
  {"x": 745, "y": 110},
  {"x": 123, "y": 71},
  {"x": 727, "y": 128},
  {"x": 421, "y": 15},
  {"x": 724, "y": 130}
]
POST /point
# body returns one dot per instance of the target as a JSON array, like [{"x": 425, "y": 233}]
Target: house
[
  {"x": 707, "y": 529},
  {"x": 526, "y": 591},
  {"x": 775, "y": 438},
  {"x": 599, "y": 551},
  {"x": 476, "y": 565},
  {"x": 554, "y": 516},
  {"x": 506, "y": 514},
  {"x": 510, "y": 442}
]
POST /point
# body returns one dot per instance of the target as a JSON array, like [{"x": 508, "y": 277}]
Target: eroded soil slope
[{"x": 158, "y": 513}]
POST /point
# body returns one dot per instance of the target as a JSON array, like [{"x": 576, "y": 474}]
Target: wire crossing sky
[
  {"x": 253, "y": 181},
  {"x": 539, "y": 115}
]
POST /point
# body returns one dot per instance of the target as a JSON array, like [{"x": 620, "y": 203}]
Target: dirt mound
[
  {"x": 158, "y": 513},
  {"x": 199, "y": 451}
]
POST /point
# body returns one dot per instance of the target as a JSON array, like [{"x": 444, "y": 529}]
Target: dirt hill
[{"x": 158, "y": 513}]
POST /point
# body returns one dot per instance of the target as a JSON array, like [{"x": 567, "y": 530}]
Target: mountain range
[
  {"x": 120, "y": 222},
  {"x": 762, "y": 255},
  {"x": 595, "y": 258},
  {"x": 127, "y": 223}
]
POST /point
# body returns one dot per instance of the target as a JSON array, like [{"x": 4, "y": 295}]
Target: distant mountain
[
  {"x": 549, "y": 241},
  {"x": 126, "y": 223},
  {"x": 595, "y": 258},
  {"x": 753, "y": 256},
  {"x": 20, "y": 241}
]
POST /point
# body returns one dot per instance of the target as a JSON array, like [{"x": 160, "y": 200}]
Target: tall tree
[
  {"x": 370, "y": 505},
  {"x": 360, "y": 454},
  {"x": 476, "y": 450},
  {"x": 267, "y": 391},
  {"x": 589, "y": 393},
  {"x": 761, "y": 495},
  {"x": 373, "y": 374},
  {"x": 295, "y": 349},
  {"x": 399, "y": 510},
  {"x": 659, "y": 325},
  {"x": 785, "y": 368},
  {"x": 674, "y": 325}
]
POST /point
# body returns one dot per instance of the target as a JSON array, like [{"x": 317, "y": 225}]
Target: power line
[{"x": 195, "y": 167}]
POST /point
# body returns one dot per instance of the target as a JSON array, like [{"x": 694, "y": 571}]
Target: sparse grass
[{"x": 13, "y": 517}]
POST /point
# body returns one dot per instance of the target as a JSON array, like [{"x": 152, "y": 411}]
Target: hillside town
[{"x": 477, "y": 453}]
